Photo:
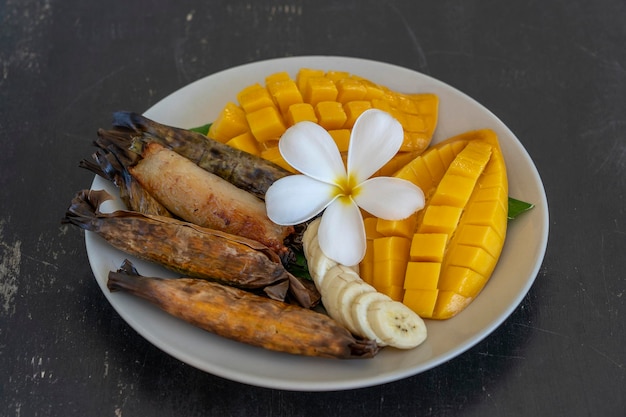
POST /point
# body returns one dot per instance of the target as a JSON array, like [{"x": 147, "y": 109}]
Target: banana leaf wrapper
[
  {"x": 246, "y": 171},
  {"x": 243, "y": 316},
  {"x": 190, "y": 250},
  {"x": 111, "y": 163},
  {"x": 205, "y": 199}
]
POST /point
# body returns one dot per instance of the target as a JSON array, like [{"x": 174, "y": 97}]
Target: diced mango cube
[
  {"x": 300, "y": 112},
  {"x": 245, "y": 142},
  {"x": 493, "y": 194},
  {"x": 434, "y": 165},
  {"x": 405, "y": 103},
  {"x": 319, "y": 89},
  {"x": 404, "y": 228},
  {"x": 453, "y": 190},
  {"x": 285, "y": 93},
  {"x": 388, "y": 272},
  {"x": 303, "y": 76},
  {"x": 440, "y": 219},
  {"x": 330, "y": 114},
  {"x": 381, "y": 104},
  {"x": 266, "y": 124},
  {"x": 341, "y": 138},
  {"x": 337, "y": 76},
  {"x": 414, "y": 123},
  {"x": 462, "y": 280},
  {"x": 249, "y": 89},
  {"x": 447, "y": 153},
  {"x": 350, "y": 89},
  {"x": 417, "y": 172},
  {"x": 421, "y": 301},
  {"x": 491, "y": 179},
  {"x": 472, "y": 257},
  {"x": 277, "y": 77},
  {"x": 449, "y": 304},
  {"x": 428, "y": 247},
  {"x": 229, "y": 123},
  {"x": 353, "y": 110},
  {"x": 255, "y": 98},
  {"x": 422, "y": 275},
  {"x": 425, "y": 103},
  {"x": 488, "y": 214},
  {"x": 471, "y": 161},
  {"x": 392, "y": 248},
  {"x": 482, "y": 236},
  {"x": 373, "y": 91},
  {"x": 366, "y": 267}
]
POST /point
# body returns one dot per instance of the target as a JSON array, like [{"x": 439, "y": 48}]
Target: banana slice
[
  {"x": 318, "y": 263},
  {"x": 395, "y": 324},
  {"x": 335, "y": 280},
  {"x": 359, "y": 309},
  {"x": 345, "y": 300}
]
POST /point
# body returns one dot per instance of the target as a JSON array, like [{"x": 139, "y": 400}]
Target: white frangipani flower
[{"x": 326, "y": 184}]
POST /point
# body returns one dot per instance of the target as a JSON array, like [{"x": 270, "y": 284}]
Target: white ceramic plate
[{"x": 199, "y": 103}]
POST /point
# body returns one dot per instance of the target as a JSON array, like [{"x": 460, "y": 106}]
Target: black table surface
[{"x": 552, "y": 71}]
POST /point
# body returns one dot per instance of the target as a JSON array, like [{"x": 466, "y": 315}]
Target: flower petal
[
  {"x": 389, "y": 198},
  {"x": 376, "y": 137},
  {"x": 341, "y": 233},
  {"x": 297, "y": 198},
  {"x": 310, "y": 149}
]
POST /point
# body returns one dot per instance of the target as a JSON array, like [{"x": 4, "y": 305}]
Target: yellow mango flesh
[
  {"x": 458, "y": 236},
  {"x": 334, "y": 100}
]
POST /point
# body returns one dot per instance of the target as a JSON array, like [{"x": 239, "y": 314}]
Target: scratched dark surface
[{"x": 553, "y": 71}]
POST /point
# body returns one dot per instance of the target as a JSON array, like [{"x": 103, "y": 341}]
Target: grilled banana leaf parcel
[
  {"x": 203, "y": 198},
  {"x": 111, "y": 163},
  {"x": 240, "y": 315},
  {"x": 244, "y": 170},
  {"x": 189, "y": 249}
]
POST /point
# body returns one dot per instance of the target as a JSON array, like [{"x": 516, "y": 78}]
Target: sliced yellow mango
[
  {"x": 266, "y": 124},
  {"x": 333, "y": 99},
  {"x": 300, "y": 112},
  {"x": 404, "y": 228},
  {"x": 231, "y": 122},
  {"x": 341, "y": 138},
  {"x": 319, "y": 89},
  {"x": 422, "y": 301},
  {"x": 245, "y": 142},
  {"x": 285, "y": 94},
  {"x": 330, "y": 115},
  {"x": 458, "y": 236},
  {"x": 428, "y": 247},
  {"x": 448, "y": 304},
  {"x": 421, "y": 275}
]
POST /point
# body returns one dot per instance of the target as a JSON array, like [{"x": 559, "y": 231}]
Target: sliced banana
[
  {"x": 345, "y": 300},
  {"x": 359, "y": 314},
  {"x": 334, "y": 281},
  {"x": 396, "y": 324},
  {"x": 357, "y": 305},
  {"x": 318, "y": 263}
]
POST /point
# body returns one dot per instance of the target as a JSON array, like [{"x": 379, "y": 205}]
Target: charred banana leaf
[
  {"x": 246, "y": 171},
  {"x": 240, "y": 315},
  {"x": 189, "y": 249},
  {"x": 111, "y": 163}
]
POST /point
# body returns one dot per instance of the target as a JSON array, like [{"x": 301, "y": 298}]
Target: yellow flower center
[{"x": 347, "y": 188}]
